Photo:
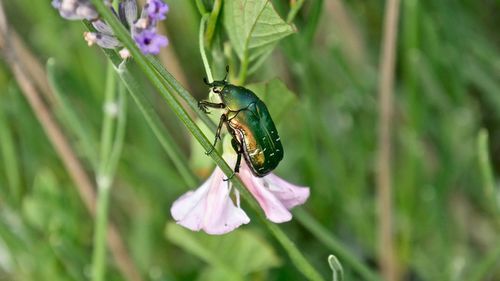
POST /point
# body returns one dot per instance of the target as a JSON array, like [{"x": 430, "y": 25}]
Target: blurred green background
[{"x": 446, "y": 205}]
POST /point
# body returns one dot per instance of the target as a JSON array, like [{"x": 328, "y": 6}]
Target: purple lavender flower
[
  {"x": 156, "y": 9},
  {"x": 150, "y": 42}
]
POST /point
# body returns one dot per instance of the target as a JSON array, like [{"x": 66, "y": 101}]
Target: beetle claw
[{"x": 203, "y": 107}]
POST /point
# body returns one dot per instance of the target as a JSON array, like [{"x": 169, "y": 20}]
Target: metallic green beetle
[{"x": 248, "y": 121}]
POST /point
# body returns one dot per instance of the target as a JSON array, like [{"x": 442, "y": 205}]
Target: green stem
[
  {"x": 103, "y": 182},
  {"x": 294, "y": 9},
  {"x": 99, "y": 254},
  {"x": 202, "y": 49},
  {"x": 117, "y": 146},
  {"x": 201, "y": 7},
  {"x": 486, "y": 170},
  {"x": 212, "y": 22},
  {"x": 107, "y": 128},
  {"x": 296, "y": 256},
  {"x": 243, "y": 69}
]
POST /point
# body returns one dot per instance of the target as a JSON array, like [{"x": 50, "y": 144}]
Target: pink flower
[{"x": 210, "y": 208}]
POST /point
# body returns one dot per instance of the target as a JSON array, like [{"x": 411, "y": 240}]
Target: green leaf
[
  {"x": 254, "y": 27},
  {"x": 277, "y": 97},
  {"x": 237, "y": 254}
]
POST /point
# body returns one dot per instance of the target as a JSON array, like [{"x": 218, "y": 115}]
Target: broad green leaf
[
  {"x": 277, "y": 97},
  {"x": 254, "y": 27},
  {"x": 236, "y": 254}
]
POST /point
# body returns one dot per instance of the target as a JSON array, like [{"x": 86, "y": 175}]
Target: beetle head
[{"x": 218, "y": 86}]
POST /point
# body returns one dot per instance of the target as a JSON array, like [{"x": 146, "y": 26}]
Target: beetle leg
[
  {"x": 238, "y": 148},
  {"x": 238, "y": 162},
  {"x": 204, "y": 105},
  {"x": 223, "y": 119}
]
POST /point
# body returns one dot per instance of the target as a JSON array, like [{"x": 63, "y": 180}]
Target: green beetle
[{"x": 248, "y": 121}]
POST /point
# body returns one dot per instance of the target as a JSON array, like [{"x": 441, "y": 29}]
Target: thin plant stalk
[
  {"x": 486, "y": 170},
  {"x": 204, "y": 58},
  {"x": 294, "y": 9},
  {"x": 384, "y": 165},
  {"x": 103, "y": 181},
  {"x": 212, "y": 22}
]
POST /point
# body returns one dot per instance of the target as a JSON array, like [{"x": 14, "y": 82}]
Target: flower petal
[
  {"x": 275, "y": 211},
  {"x": 127, "y": 11},
  {"x": 289, "y": 194},
  {"x": 102, "y": 27},
  {"x": 209, "y": 208},
  {"x": 274, "y": 195}
]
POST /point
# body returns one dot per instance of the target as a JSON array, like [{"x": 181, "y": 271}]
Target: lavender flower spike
[
  {"x": 156, "y": 10},
  {"x": 150, "y": 42}
]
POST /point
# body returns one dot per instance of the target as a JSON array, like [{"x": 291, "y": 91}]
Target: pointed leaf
[{"x": 254, "y": 27}]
